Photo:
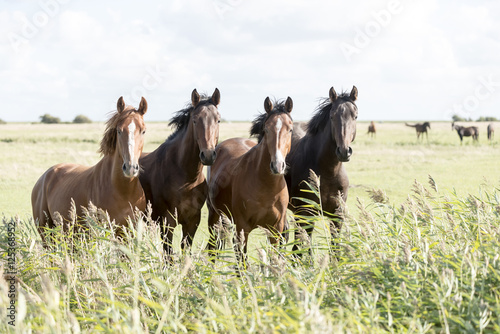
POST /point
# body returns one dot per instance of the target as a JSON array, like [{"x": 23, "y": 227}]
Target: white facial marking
[
  {"x": 131, "y": 141},
  {"x": 279, "y": 156}
]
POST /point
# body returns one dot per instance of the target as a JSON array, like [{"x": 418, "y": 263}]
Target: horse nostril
[
  {"x": 214, "y": 155},
  {"x": 202, "y": 156},
  {"x": 124, "y": 167},
  {"x": 349, "y": 152}
]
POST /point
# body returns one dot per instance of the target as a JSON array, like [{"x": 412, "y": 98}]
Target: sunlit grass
[{"x": 430, "y": 264}]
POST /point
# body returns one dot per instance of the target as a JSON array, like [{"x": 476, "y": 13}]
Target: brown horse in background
[
  {"x": 112, "y": 184},
  {"x": 246, "y": 182},
  {"x": 173, "y": 181},
  {"x": 421, "y": 128},
  {"x": 371, "y": 129},
  {"x": 491, "y": 131},
  {"x": 323, "y": 149},
  {"x": 471, "y": 131}
]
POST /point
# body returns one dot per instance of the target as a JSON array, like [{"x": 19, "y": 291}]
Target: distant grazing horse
[
  {"x": 371, "y": 129},
  {"x": 421, "y": 128},
  {"x": 491, "y": 131},
  {"x": 173, "y": 178},
  {"x": 323, "y": 149},
  {"x": 112, "y": 184},
  {"x": 471, "y": 131},
  {"x": 246, "y": 182}
]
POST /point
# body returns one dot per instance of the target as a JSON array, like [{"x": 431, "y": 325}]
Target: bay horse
[
  {"x": 323, "y": 149},
  {"x": 471, "y": 131},
  {"x": 174, "y": 182},
  {"x": 421, "y": 128},
  {"x": 491, "y": 131},
  {"x": 372, "y": 130},
  {"x": 247, "y": 183},
  {"x": 112, "y": 184}
]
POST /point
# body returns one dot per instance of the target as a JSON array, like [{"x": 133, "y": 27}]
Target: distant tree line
[
  {"x": 49, "y": 119},
  {"x": 2, "y": 121},
  {"x": 457, "y": 118}
]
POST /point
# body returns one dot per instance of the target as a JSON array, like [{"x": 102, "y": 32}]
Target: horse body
[
  {"x": 491, "y": 131},
  {"x": 420, "y": 128},
  {"x": 372, "y": 129},
  {"x": 471, "y": 131},
  {"x": 246, "y": 182},
  {"x": 112, "y": 184},
  {"x": 323, "y": 149},
  {"x": 174, "y": 182}
]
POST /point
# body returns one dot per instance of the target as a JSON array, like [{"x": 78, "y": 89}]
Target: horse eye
[
  {"x": 218, "y": 121},
  {"x": 144, "y": 132},
  {"x": 119, "y": 131}
]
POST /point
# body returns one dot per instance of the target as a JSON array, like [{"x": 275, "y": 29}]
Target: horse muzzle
[
  {"x": 278, "y": 167},
  {"x": 130, "y": 170},
  {"x": 207, "y": 157},
  {"x": 344, "y": 155}
]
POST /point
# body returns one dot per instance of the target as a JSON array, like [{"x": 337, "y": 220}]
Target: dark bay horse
[
  {"x": 421, "y": 128},
  {"x": 491, "y": 131},
  {"x": 323, "y": 149},
  {"x": 471, "y": 131},
  {"x": 246, "y": 182},
  {"x": 112, "y": 184},
  {"x": 173, "y": 180},
  {"x": 372, "y": 130}
]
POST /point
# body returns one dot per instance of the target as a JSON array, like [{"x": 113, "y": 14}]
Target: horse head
[
  {"x": 130, "y": 131},
  {"x": 343, "y": 115},
  {"x": 205, "y": 119},
  {"x": 278, "y": 134}
]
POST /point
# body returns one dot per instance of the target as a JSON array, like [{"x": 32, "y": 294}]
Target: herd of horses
[
  {"x": 251, "y": 184},
  {"x": 421, "y": 129}
]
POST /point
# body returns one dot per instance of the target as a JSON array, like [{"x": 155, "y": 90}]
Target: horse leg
[
  {"x": 303, "y": 235},
  {"x": 189, "y": 228},
  {"x": 240, "y": 247},
  {"x": 214, "y": 241},
  {"x": 168, "y": 235}
]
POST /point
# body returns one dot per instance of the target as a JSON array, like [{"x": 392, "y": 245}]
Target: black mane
[
  {"x": 181, "y": 118},
  {"x": 257, "y": 129},
  {"x": 322, "y": 113}
]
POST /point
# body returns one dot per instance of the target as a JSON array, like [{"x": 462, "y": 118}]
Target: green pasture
[
  {"x": 416, "y": 254},
  {"x": 390, "y": 162}
]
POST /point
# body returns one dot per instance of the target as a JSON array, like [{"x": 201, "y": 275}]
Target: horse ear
[
  {"x": 143, "y": 106},
  {"x": 268, "y": 105},
  {"x": 216, "y": 97},
  {"x": 333, "y": 95},
  {"x": 354, "y": 93},
  {"x": 289, "y": 105},
  {"x": 195, "y": 98},
  {"x": 120, "y": 105}
]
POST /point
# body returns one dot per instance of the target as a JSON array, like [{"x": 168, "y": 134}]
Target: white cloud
[{"x": 425, "y": 59}]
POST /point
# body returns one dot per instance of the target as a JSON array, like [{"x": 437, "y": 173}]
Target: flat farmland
[{"x": 390, "y": 161}]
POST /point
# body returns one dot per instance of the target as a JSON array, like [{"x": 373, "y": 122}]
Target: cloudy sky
[{"x": 410, "y": 60}]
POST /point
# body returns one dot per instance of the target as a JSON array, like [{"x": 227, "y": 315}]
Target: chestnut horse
[
  {"x": 323, "y": 149},
  {"x": 246, "y": 182},
  {"x": 421, "y": 128},
  {"x": 471, "y": 131},
  {"x": 173, "y": 181},
  {"x": 371, "y": 129},
  {"x": 112, "y": 184}
]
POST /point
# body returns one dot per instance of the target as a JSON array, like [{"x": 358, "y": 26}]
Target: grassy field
[{"x": 413, "y": 256}]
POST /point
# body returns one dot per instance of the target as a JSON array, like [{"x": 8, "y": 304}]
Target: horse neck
[
  {"x": 110, "y": 172},
  {"x": 187, "y": 154},
  {"x": 259, "y": 161},
  {"x": 325, "y": 145}
]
